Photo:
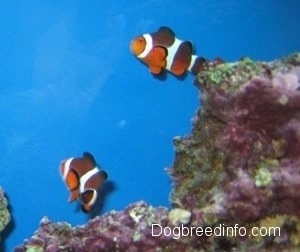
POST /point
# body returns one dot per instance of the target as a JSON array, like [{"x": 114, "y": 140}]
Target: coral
[
  {"x": 179, "y": 216},
  {"x": 128, "y": 230},
  {"x": 5, "y": 217},
  {"x": 239, "y": 167},
  {"x": 241, "y": 162},
  {"x": 263, "y": 175}
]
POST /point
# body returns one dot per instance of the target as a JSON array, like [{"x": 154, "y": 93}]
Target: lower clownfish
[
  {"x": 83, "y": 178},
  {"x": 162, "y": 50}
]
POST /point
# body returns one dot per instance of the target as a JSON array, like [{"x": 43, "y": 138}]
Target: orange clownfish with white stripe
[
  {"x": 162, "y": 50},
  {"x": 83, "y": 178}
]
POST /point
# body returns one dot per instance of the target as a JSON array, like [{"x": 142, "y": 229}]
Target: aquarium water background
[{"x": 69, "y": 84}]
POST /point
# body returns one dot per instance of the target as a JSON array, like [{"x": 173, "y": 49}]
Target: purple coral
[
  {"x": 263, "y": 123},
  {"x": 261, "y": 112},
  {"x": 128, "y": 230}
]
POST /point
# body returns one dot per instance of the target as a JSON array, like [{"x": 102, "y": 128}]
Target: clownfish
[
  {"x": 162, "y": 50},
  {"x": 83, "y": 178}
]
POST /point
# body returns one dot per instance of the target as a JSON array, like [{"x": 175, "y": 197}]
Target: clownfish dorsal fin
[
  {"x": 166, "y": 30},
  {"x": 164, "y": 36},
  {"x": 90, "y": 157},
  {"x": 104, "y": 174}
]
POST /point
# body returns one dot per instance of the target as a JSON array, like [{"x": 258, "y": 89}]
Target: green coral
[
  {"x": 216, "y": 75},
  {"x": 263, "y": 175},
  {"x": 231, "y": 76},
  {"x": 34, "y": 249},
  {"x": 136, "y": 236},
  {"x": 220, "y": 73}
]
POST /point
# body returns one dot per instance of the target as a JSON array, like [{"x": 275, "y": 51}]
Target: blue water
[{"x": 70, "y": 84}]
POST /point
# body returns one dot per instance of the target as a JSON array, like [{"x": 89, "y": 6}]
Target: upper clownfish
[
  {"x": 83, "y": 178},
  {"x": 162, "y": 50}
]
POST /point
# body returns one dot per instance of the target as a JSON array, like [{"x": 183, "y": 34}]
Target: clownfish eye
[{"x": 140, "y": 40}]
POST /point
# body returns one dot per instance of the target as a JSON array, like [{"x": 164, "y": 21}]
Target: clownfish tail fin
[
  {"x": 197, "y": 64},
  {"x": 86, "y": 209},
  {"x": 217, "y": 61}
]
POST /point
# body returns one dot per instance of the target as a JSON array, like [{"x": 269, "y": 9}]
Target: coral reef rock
[
  {"x": 236, "y": 172},
  {"x": 179, "y": 216},
  {"x": 128, "y": 230},
  {"x": 5, "y": 217},
  {"x": 241, "y": 163}
]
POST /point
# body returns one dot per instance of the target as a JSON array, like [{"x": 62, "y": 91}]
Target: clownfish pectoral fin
[
  {"x": 73, "y": 196},
  {"x": 156, "y": 69},
  {"x": 159, "y": 54},
  {"x": 90, "y": 157},
  {"x": 156, "y": 59}
]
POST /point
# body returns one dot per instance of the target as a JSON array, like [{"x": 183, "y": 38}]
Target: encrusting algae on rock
[
  {"x": 243, "y": 155},
  {"x": 239, "y": 166},
  {"x": 178, "y": 216},
  {"x": 263, "y": 175},
  {"x": 5, "y": 217},
  {"x": 128, "y": 230}
]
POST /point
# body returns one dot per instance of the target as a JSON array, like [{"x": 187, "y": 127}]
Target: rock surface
[{"x": 5, "y": 217}]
